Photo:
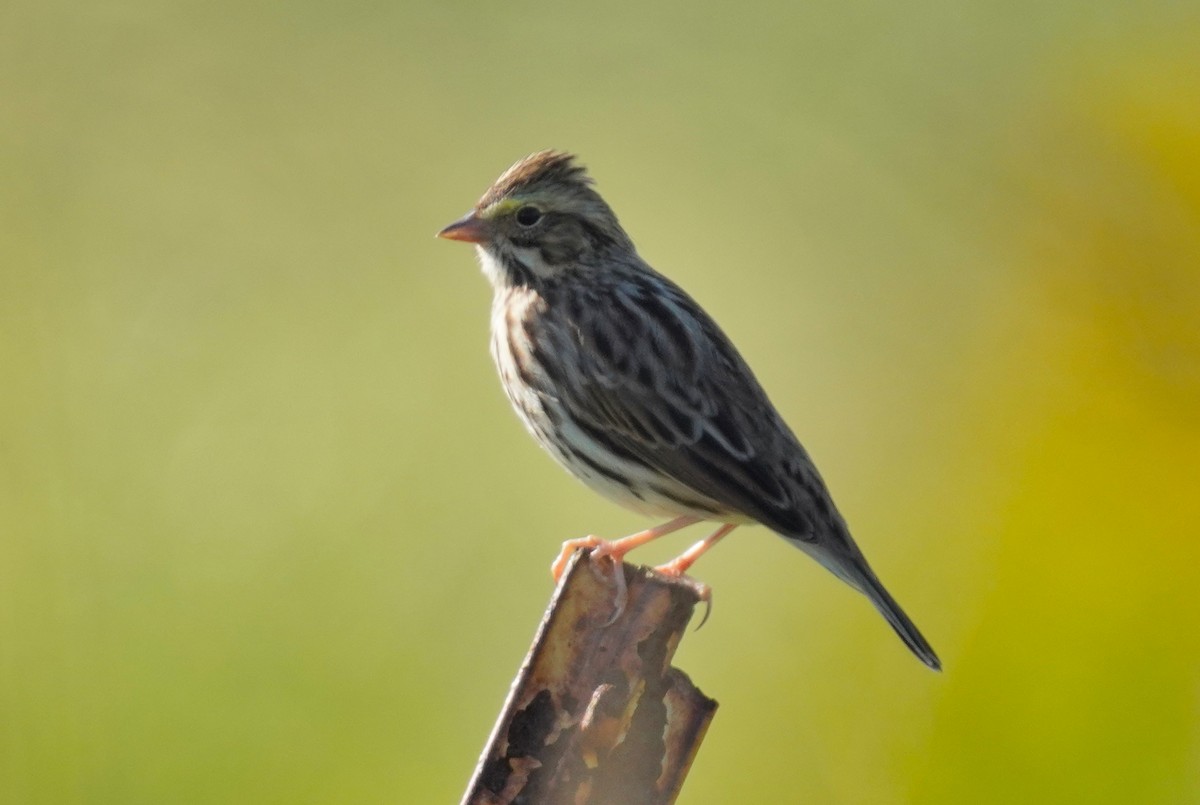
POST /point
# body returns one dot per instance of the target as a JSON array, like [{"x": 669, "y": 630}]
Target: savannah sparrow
[{"x": 632, "y": 387}]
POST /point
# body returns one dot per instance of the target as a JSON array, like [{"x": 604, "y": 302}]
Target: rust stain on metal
[{"x": 597, "y": 715}]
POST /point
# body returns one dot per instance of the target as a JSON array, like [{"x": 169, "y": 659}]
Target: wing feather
[{"x": 659, "y": 381}]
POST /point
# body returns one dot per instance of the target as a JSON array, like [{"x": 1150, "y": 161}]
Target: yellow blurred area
[{"x": 268, "y": 532}]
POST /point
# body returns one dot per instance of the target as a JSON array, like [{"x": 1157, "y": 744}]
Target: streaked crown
[
  {"x": 535, "y": 174},
  {"x": 574, "y": 219}
]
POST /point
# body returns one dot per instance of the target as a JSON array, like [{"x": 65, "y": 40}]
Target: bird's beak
[{"x": 469, "y": 229}]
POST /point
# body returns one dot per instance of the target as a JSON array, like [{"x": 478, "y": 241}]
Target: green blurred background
[{"x": 270, "y": 534}]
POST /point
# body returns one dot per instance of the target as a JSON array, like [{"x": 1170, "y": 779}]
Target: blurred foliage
[{"x": 268, "y": 532}]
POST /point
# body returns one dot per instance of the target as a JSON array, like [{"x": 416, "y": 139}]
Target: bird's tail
[
  {"x": 874, "y": 590},
  {"x": 851, "y": 568},
  {"x": 836, "y": 552}
]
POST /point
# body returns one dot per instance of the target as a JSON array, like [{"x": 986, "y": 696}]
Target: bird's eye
[{"x": 528, "y": 216}]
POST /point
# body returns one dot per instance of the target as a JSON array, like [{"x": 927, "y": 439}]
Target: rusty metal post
[{"x": 597, "y": 715}]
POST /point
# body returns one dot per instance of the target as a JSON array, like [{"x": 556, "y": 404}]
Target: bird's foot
[
  {"x": 677, "y": 569},
  {"x": 601, "y": 549},
  {"x": 616, "y": 550},
  {"x": 569, "y": 547}
]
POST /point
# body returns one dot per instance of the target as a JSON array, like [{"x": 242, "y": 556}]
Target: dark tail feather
[
  {"x": 849, "y": 565},
  {"x": 873, "y": 589}
]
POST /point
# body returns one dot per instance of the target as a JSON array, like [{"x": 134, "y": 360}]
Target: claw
[
  {"x": 702, "y": 590},
  {"x": 616, "y": 550},
  {"x": 707, "y": 599},
  {"x": 569, "y": 547},
  {"x": 601, "y": 549},
  {"x": 594, "y": 565},
  {"x": 622, "y": 596},
  {"x": 616, "y": 556}
]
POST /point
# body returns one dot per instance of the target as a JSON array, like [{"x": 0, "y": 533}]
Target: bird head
[{"x": 540, "y": 218}]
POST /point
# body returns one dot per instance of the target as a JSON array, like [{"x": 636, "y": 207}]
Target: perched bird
[{"x": 632, "y": 387}]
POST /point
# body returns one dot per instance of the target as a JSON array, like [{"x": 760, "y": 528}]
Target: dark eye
[{"x": 528, "y": 216}]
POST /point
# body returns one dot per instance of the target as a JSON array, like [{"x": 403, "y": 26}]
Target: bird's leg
[
  {"x": 569, "y": 547},
  {"x": 678, "y": 566},
  {"x": 616, "y": 550}
]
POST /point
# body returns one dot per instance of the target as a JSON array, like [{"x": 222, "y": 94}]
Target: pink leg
[
  {"x": 616, "y": 550},
  {"x": 679, "y": 565}
]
